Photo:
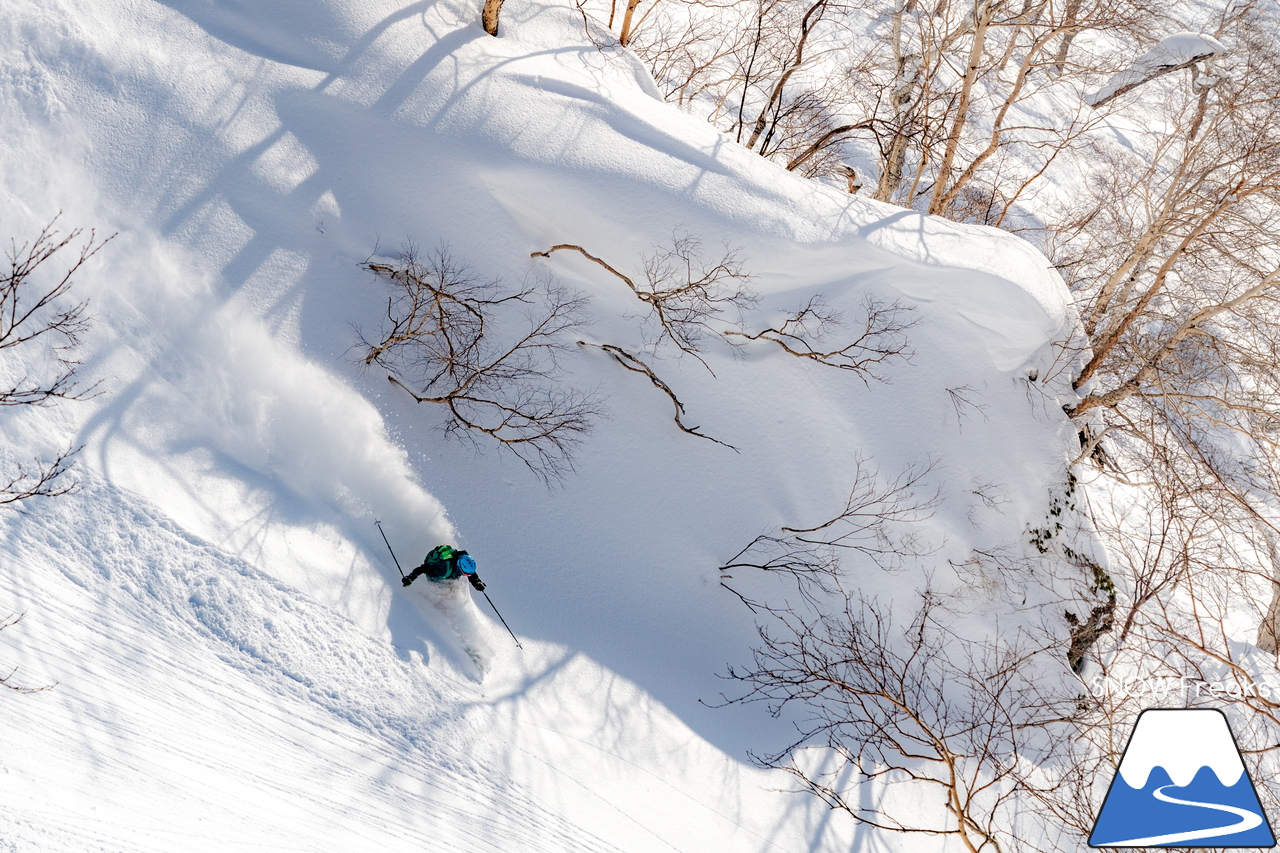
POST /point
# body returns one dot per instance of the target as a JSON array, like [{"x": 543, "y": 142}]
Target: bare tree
[
  {"x": 965, "y": 723},
  {"x": 949, "y": 98},
  {"x": 939, "y": 95},
  {"x": 449, "y": 340},
  {"x": 1173, "y": 259},
  {"x": 684, "y": 291},
  {"x": 881, "y": 339},
  {"x": 877, "y": 522},
  {"x": 34, "y": 308},
  {"x": 625, "y": 20}
]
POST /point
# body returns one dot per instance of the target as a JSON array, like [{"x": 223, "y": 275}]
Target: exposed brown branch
[
  {"x": 684, "y": 293},
  {"x": 635, "y": 365},
  {"x": 881, "y": 340},
  {"x": 449, "y": 340}
]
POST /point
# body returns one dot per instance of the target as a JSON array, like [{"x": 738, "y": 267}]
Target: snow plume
[
  {"x": 285, "y": 416},
  {"x": 251, "y": 444}
]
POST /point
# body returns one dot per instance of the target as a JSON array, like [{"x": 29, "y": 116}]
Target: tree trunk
[
  {"x": 489, "y": 17},
  {"x": 1060, "y": 61},
  {"x": 1269, "y": 630},
  {"x": 982, "y": 20},
  {"x": 624, "y": 37}
]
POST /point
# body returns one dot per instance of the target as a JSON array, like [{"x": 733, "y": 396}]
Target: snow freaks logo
[
  {"x": 1178, "y": 688},
  {"x": 1181, "y": 783}
]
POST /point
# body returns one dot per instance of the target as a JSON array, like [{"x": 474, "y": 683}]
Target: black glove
[
  {"x": 406, "y": 581},
  {"x": 476, "y": 582}
]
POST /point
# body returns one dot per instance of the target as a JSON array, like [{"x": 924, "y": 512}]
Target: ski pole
[
  {"x": 504, "y": 621},
  {"x": 393, "y": 553}
]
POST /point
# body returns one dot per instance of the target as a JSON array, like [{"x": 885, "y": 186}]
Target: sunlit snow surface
[{"x": 238, "y": 666}]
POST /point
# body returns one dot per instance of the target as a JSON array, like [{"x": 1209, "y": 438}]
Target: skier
[{"x": 444, "y": 563}]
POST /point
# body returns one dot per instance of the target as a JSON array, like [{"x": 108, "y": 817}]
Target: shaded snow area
[
  {"x": 237, "y": 664},
  {"x": 203, "y": 705}
]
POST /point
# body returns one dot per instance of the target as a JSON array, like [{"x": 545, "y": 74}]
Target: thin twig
[{"x": 635, "y": 365}]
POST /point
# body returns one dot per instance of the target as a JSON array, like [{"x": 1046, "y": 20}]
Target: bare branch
[
  {"x": 882, "y": 338},
  {"x": 31, "y": 311},
  {"x": 914, "y": 706},
  {"x": 8, "y": 622},
  {"x": 635, "y": 365},
  {"x": 43, "y": 482},
  {"x": 684, "y": 292},
  {"x": 877, "y": 521},
  {"x": 447, "y": 341}
]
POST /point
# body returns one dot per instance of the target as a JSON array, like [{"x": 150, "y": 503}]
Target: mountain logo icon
[{"x": 1181, "y": 783}]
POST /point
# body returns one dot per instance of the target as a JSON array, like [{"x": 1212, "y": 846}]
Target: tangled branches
[
  {"x": 881, "y": 340},
  {"x": 448, "y": 341},
  {"x": 874, "y": 522},
  {"x": 916, "y": 707},
  {"x": 684, "y": 291},
  {"x": 32, "y": 312}
]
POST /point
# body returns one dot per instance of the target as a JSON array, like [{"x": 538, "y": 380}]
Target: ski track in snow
[{"x": 237, "y": 687}]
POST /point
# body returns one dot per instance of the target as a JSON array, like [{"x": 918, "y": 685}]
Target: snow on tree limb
[{"x": 1173, "y": 53}]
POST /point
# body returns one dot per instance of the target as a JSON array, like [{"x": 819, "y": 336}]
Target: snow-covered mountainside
[{"x": 237, "y": 664}]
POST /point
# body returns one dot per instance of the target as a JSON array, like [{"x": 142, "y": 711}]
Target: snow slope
[{"x": 237, "y": 664}]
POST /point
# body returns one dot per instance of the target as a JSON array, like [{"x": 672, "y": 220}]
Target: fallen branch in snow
[
  {"x": 882, "y": 338},
  {"x": 635, "y": 365},
  {"x": 683, "y": 292}
]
